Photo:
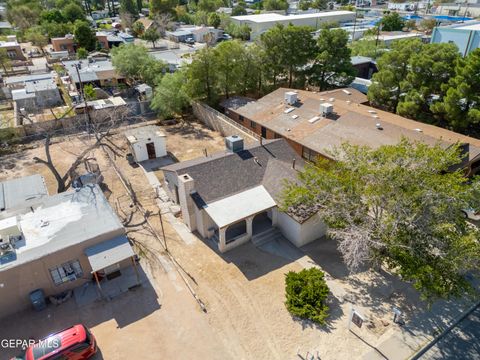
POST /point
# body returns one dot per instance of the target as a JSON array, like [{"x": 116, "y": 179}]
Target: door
[
  {"x": 151, "y": 150},
  {"x": 264, "y": 132}
]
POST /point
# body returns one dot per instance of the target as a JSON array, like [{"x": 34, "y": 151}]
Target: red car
[{"x": 74, "y": 343}]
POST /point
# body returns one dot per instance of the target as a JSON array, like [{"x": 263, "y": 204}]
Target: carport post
[
  {"x": 136, "y": 270},
  {"x": 98, "y": 282}
]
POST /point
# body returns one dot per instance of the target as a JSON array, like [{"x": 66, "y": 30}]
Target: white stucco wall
[
  {"x": 139, "y": 148},
  {"x": 301, "y": 234}
]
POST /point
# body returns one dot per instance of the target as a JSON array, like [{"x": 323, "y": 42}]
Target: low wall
[{"x": 215, "y": 120}]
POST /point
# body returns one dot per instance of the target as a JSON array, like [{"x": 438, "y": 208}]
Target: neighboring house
[
  {"x": 314, "y": 123},
  {"x": 461, "y": 9},
  {"x": 57, "y": 243},
  {"x": 146, "y": 142},
  {"x": 147, "y": 23},
  {"x": 262, "y": 22},
  {"x": 200, "y": 34},
  {"x": 175, "y": 58},
  {"x": 17, "y": 193},
  {"x": 232, "y": 197},
  {"x": 100, "y": 104},
  {"x": 97, "y": 71},
  {"x": 389, "y": 37},
  {"x": 14, "y": 51},
  {"x": 365, "y": 66},
  {"x": 65, "y": 43},
  {"x": 32, "y": 92},
  {"x": 465, "y": 35}
]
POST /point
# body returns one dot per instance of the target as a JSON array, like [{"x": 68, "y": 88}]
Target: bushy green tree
[
  {"x": 368, "y": 47},
  {"x": 392, "y": 22},
  {"x": 320, "y": 4},
  {"x": 129, "y": 6},
  {"x": 202, "y": 76},
  {"x": 229, "y": 55},
  {"x": 170, "y": 97},
  {"x": 138, "y": 28},
  {"x": 73, "y": 12},
  {"x": 429, "y": 71},
  {"x": 239, "y": 10},
  {"x": 53, "y": 15},
  {"x": 84, "y": 35},
  {"x": 398, "y": 206},
  {"x": 332, "y": 66},
  {"x": 209, "y": 6},
  {"x": 5, "y": 60},
  {"x": 461, "y": 105},
  {"x": 82, "y": 53},
  {"x": 393, "y": 67},
  {"x": 270, "y": 5},
  {"x": 37, "y": 39},
  {"x": 214, "y": 20},
  {"x": 162, "y": 7},
  {"x": 307, "y": 294},
  {"x": 89, "y": 92},
  {"x": 151, "y": 35}
]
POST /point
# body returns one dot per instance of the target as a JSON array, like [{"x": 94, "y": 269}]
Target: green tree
[
  {"x": 270, "y": 5},
  {"x": 53, "y": 15},
  {"x": 332, "y": 66},
  {"x": 200, "y": 17},
  {"x": 428, "y": 25},
  {"x": 129, "y": 6},
  {"x": 209, "y": 6},
  {"x": 89, "y": 92},
  {"x": 170, "y": 97},
  {"x": 138, "y": 28},
  {"x": 304, "y": 4},
  {"x": 229, "y": 55},
  {"x": 5, "y": 61},
  {"x": 239, "y": 10},
  {"x": 398, "y": 206},
  {"x": 202, "y": 78},
  {"x": 392, "y": 22},
  {"x": 320, "y": 4},
  {"x": 82, "y": 53},
  {"x": 241, "y": 32},
  {"x": 461, "y": 104},
  {"x": 429, "y": 71},
  {"x": 53, "y": 29},
  {"x": 151, "y": 35},
  {"x": 73, "y": 12},
  {"x": 271, "y": 43},
  {"x": 37, "y": 38},
  {"x": 393, "y": 67},
  {"x": 368, "y": 47},
  {"x": 162, "y": 6},
  {"x": 214, "y": 20},
  {"x": 307, "y": 294},
  {"x": 84, "y": 35},
  {"x": 23, "y": 16}
]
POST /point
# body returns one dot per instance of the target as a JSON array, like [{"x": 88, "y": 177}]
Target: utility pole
[
  {"x": 354, "y": 24},
  {"x": 82, "y": 94}
]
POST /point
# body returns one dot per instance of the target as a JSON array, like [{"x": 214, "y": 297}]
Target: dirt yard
[{"x": 243, "y": 290}]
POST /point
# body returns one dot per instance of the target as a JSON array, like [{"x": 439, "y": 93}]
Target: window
[
  {"x": 12, "y": 54},
  {"x": 309, "y": 155},
  {"x": 253, "y": 124},
  {"x": 69, "y": 271},
  {"x": 277, "y": 136},
  {"x": 240, "y": 118}
]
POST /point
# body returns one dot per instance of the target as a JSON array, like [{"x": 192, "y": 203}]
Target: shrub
[{"x": 307, "y": 293}]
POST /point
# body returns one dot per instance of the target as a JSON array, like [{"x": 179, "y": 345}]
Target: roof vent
[
  {"x": 418, "y": 130},
  {"x": 326, "y": 108},
  {"x": 289, "y": 110},
  {"x": 379, "y": 126},
  {"x": 372, "y": 111},
  {"x": 331, "y": 99},
  {"x": 347, "y": 92},
  {"x": 291, "y": 97},
  {"x": 234, "y": 143}
]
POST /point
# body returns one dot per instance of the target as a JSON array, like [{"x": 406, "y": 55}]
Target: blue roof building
[{"x": 465, "y": 35}]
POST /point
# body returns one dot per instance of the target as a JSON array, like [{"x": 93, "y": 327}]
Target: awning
[
  {"x": 239, "y": 206},
  {"x": 109, "y": 253}
]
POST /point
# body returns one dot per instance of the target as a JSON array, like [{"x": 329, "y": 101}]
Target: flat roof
[
  {"x": 27, "y": 78},
  {"x": 17, "y": 192},
  {"x": 262, "y": 18},
  {"x": 239, "y": 206},
  {"x": 472, "y": 26},
  {"x": 143, "y": 132},
  {"x": 351, "y": 122},
  {"x": 63, "y": 220},
  {"x": 90, "y": 70}
]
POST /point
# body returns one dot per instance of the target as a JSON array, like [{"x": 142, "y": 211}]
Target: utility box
[
  {"x": 291, "y": 97},
  {"x": 37, "y": 297}
]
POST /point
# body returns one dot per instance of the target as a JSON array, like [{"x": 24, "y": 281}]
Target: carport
[{"x": 106, "y": 257}]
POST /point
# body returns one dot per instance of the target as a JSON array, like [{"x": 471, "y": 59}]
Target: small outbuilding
[{"x": 147, "y": 142}]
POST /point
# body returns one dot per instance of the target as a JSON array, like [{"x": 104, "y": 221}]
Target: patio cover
[
  {"x": 240, "y": 206},
  {"x": 108, "y": 253}
]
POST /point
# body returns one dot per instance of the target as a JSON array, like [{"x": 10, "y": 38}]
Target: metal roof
[
  {"x": 27, "y": 78},
  {"x": 17, "y": 192},
  {"x": 271, "y": 17},
  {"x": 109, "y": 253}
]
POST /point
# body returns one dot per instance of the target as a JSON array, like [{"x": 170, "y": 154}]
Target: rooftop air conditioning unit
[
  {"x": 291, "y": 97},
  {"x": 326, "y": 108},
  {"x": 234, "y": 143}
]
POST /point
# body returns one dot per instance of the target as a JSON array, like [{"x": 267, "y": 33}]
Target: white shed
[{"x": 147, "y": 142}]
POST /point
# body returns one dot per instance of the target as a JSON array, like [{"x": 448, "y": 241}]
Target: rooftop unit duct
[
  {"x": 291, "y": 97},
  {"x": 234, "y": 143},
  {"x": 325, "y": 109}
]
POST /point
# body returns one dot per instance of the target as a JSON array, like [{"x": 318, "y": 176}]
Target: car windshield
[{"x": 46, "y": 346}]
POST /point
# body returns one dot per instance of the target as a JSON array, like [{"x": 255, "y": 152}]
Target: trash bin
[{"x": 37, "y": 297}]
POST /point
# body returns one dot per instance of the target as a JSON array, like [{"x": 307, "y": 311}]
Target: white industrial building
[
  {"x": 262, "y": 22},
  {"x": 147, "y": 142}
]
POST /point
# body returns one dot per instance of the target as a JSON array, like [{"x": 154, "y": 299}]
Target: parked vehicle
[
  {"x": 472, "y": 214},
  {"x": 74, "y": 343}
]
